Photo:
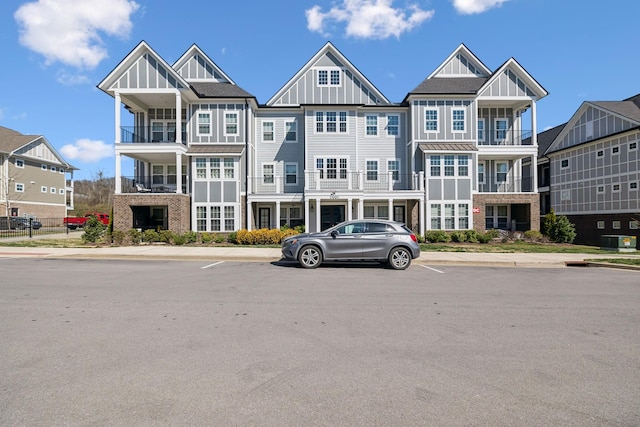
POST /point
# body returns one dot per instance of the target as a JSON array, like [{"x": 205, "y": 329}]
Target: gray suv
[{"x": 360, "y": 240}]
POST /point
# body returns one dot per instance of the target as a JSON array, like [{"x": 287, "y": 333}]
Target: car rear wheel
[
  {"x": 310, "y": 257},
  {"x": 400, "y": 258}
]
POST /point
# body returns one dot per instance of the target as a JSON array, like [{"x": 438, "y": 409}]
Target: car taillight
[{"x": 414, "y": 238}]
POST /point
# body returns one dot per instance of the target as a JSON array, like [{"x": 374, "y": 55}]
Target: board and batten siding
[
  {"x": 445, "y": 116},
  {"x": 147, "y": 73},
  {"x": 382, "y": 147},
  {"x": 330, "y": 144},
  {"x": 217, "y": 133},
  {"x": 198, "y": 68},
  {"x": 279, "y": 151},
  {"x": 460, "y": 66},
  {"x": 508, "y": 84}
]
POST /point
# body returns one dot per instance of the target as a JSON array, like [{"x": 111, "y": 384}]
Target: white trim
[
  {"x": 286, "y": 132},
  {"x": 496, "y": 139},
  {"x": 437, "y": 120},
  {"x": 390, "y": 171},
  {"x": 366, "y": 125},
  {"x": 273, "y": 131},
  {"x": 329, "y": 70},
  {"x": 207, "y": 113},
  {"x": 273, "y": 173},
  {"x": 464, "y": 120},
  {"x": 366, "y": 170},
  {"x": 397, "y": 126},
  {"x": 21, "y": 186},
  {"x": 285, "y": 173},
  {"x": 224, "y": 121},
  {"x": 19, "y": 163},
  {"x": 484, "y": 129}
]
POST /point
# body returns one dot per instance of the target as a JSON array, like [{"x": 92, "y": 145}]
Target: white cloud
[
  {"x": 368, "y": 19},
  {"x": 87, "y": 150},
  {"x": 69, "y": 31},
  {"x": 469, "y": 7},
  {"x": 69, "y": 79}
]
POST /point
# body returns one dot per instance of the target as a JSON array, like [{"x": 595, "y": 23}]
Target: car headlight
[{"x": 289, "y": 242}]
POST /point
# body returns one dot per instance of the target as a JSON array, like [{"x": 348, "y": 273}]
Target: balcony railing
[
  {"x": 507, "y": 137},
  {"x": 150, "y": 134},
  {"x": 509, "y": 186},
  {"x": 362, "y": 181},
  {"x": 150, "y": 185}
]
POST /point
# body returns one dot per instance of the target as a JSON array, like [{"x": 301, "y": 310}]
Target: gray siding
[
  {"x": 508, "y": 84},
  {"x": 198, "y": 68},
  {"x": 460, "y": 65},
  {"x": 217, "y": 123},
  {"x": 593, "y": 124},
  {"x": 147, "y": 73},
  {"x": 445, "y": 131}
]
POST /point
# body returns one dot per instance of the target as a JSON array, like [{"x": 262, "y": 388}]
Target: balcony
[
  {"x": 506, "y": 137},
  {"x": 522, "y": 185},
  {"x": 150, "y": 134},
  {"x": 150, "y": 185},
  {"x": 362, "y": 181}
]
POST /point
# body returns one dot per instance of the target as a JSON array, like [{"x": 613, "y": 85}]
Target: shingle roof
[
  {"x": 449, "y": 85},
  {"x": 629, "y": 109},
  {"x": 219, "y": 90},
  {"x": 216, "y": 149},
  {"x": 10, "y": 140},
  {"x": 447, "y": 146},
  {"x": 545, "y": 139}
]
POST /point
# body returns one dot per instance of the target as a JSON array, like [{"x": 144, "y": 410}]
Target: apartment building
[
  {"x": 328, "y": 146},
  {"x": 35, "y": 180}
]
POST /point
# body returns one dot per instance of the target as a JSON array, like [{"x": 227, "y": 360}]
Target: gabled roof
[
  {"x": 195, "y": 50},
  {"x": 470, "y": 56},
  {"x": 545, "y": 139},
  {"x": 449, "y": 86},
  {"x": 626, "y": 109},
  {"x": 11, "y": 141},
  {"x": 522, "y": 74},
  {"x": 327, "y": 48},
  {"x": 219, "y": 90}
]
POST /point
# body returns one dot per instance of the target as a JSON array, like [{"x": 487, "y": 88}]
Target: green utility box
[{"x": 618, "y": 243}]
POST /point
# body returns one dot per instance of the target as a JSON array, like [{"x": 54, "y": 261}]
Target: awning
[
  {"x": 216, "y": 149},
  {"x": 447, "y": 146}
]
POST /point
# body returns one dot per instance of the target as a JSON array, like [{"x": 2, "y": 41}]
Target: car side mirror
[{"x": 334, "y": 233}]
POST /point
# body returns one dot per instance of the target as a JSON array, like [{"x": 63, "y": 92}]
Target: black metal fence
[{"x": 21, "y": 227}]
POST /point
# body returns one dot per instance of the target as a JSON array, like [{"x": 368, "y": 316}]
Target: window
[
  {"x": 214, "y": 168},
  {"x": 393, "y": 125},
  {"x": 633, "y": 185},
  {"x": 435, "y": 165},
  {"x": 201, "y": 167},
  {"x": 633, "y": 224},
  {"x": 229, "y": 218},
  {"x": 463, "y": 166},
  {"x": 201, "y": 218},
  {"x": 53, "y": 168},
  {"x": 615, "y": 150},
  {"x": 393, "y": 166},
  {"x": 615, "y": 188},
  {"x": 600, "y": 153},
  {"x": 329, "y": 77},
  {"x": 215, "y": 218},
  {"x": 267, "y": 173},
  {"x": 53, "y": 190},
  {"x": 481, "y": 173},
  {"x": 480, "y": 130},
  {"x": 43, "y": 167},
  {"x": 501, "y": 171},
  {"x": 372, "y": 125},
  {"x": 331, "y": 122},
  {"x": 600, "y": 189},
  {"x": 61, "y": 191},
  {"x": 436, "y": 220},
  {"x": 332, "y": 168},
  {"x": 323, "y": 77},
  {"x": 267, "y": 131},
  {"x": 204, "y": 123},
  {"x": 600, "y": 225},
  {"x": 44, "y": 189},
  {"x": 431, "y": 120},
  {"x": 372, "y": 170},
  {"x": 501, "y": 129},
  {"x": 463, "y": 216},
  {"x": 449, "y": 216},
  {"x": 564, "y": 163},
  {"x": 61, "y": 170},
  {"x": 291, "y": 173},
  {"x": 157, "y": 174},
  {"x": 20, "y": 163},
  {"x": 222, "y": 218},
  {"x": 291, "y": 216},
  {"x": 633, "y": 146},
  {"x": 229, "y": 168},
  {"x": 457, "y": 120},
  {"x": 449, "y": 166},
  {"x": 335, "y": 77},
  {"x": 291, "y": 131},
  {"x": 616, "y": 225},
  {"x": 19, "y": 187},
  {"x": 231, "y": 123}
]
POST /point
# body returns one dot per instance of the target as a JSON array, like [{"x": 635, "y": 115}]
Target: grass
[
  {"x": 517, "y": 246},
  {"x": 625, "y": 261}
]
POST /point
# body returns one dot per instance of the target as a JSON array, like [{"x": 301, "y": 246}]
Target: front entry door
[
  {"x": 264, "y": 218},
  {"x": 331, "y": 215}
]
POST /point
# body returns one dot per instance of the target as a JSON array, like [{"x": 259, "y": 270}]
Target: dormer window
[{"x": 329, "y": 77}]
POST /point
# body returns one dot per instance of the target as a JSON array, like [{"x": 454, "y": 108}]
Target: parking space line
[
  {"x": 432, "y": 269},
  {"x": 211, "y": 265}
]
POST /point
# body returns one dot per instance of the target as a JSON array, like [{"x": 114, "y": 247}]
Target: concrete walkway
[{"x": 238, "y": 253}]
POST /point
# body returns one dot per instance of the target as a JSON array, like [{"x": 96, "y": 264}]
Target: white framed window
[
  {"x": 376, "y": 211},
  {"x": 633, "y": 146},
  {"x": 323, "y": 77},
  {"x": 615, "y": 225},
  {"x": 463, "y": 216},
  {"x": 449, "y": 165},
  {"x": 600, "y": 225},
  {"x": 53, "y": 169},
  {"x": 600, "y": 189},
  {"x": 268, "y": 173},
  {"x": 457, "y": 120},
  {"x": 502, "y": 169},
  {"x": 231, "y": 123},
  {"x": 20, "y": 163},
  {"x": 331, "y": 121},
  {"x": 481, "y": 130},
  {"x": 449, "y": 216},
  {"x": 463, "y": 165},
  {"x": 481, "y": 174},
  {"x": 615, "y": 150},
  {"x": 431, "y": 120},
  {"x": 61, "y": 170},
  {"x": 633, "y": 185},
  {"x": 53, "y": 190},
  {"x": 201, "y": 218},
  {"x": 229, "y": 168},
  {"x": 204, "y": 123},
  {"x": 44, "y": 189},
  {"x": 157, "y": 174},
  {"x": 615, "y": 188},
  {"x": 267, "y": 131},
  {"x": 291, "y": 129},
  {"x": 501, "y": 129},
  {"x": 328, "y": 77},
  {"x": 43, "y": 167},
  {"x": 372, "y": 125},
  {"x": 332, "y": 168},
  {"x": 434, "y": 162},
  {"x": 372, "y": 170},
  {"x": 61, "y": 191},
  {"x": 201, "y": 167},
  {"x": 436, "y": 216},
  {"x": 290, "y": 173},
  {"x": 393, "y": 125},
  {"x": 633, "y": 224},
  {"x": 600, "y": 153},
  {"x": 19, "y": 187},
  {"x": 393, "y": 166},
  {"x": 564, "y": 164},
  {"x": 291, "y": 216},
  {"x": 214, "y": 168}
]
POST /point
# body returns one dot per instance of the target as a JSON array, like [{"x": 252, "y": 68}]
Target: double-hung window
[
  {"x": 393, "y": 166},
  {"x": 268, "y": 173},
  {"x": 431, "y": 120},
  {"x": 457, "y": 120},
  {"x": 267, "y": 131},
  {"x": 435, "y": 165},
  {"x": 372, "y": 125},
  {"x": 204, "y": 123},
  {"x": 291, "y": 129},
  {"x": 449, "y": 165},
  {"x": 480, "y": 130},
  {"x": 20, "y": 163},
  {"x": 481, "y": 173},
  {"x": 463, "y": 166},
  {"x": 501, "y": 172},
  {"x": 229, "y": 168},
  {"x": 501, "y": 130},
  {"x": 331, "y": 122},
  {"x": 231, "y": 123},
  {"x": 290, "y": 173},
  {"x": 393, "y": 125},
  {"x": 332, "y": 168},
  {"x": 372, "y": 170}
]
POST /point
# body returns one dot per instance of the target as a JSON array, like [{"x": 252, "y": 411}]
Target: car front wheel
[
  {"x": 400, "y": 258},
  {"x": 310, "y": 257}
]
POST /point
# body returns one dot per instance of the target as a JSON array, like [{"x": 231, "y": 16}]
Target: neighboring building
[
  {"x": 327, "y": 147},
  {"x": 594, "y": 169},
  {"x": 35, "y": 179}
]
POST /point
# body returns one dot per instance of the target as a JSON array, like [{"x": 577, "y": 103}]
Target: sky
[{"x": 53, "y": 53}]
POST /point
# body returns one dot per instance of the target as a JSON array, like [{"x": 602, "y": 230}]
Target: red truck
[{"x": 78, "y": 222}]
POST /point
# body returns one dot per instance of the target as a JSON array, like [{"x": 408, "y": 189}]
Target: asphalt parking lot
[{"x": 110, "y": 342}]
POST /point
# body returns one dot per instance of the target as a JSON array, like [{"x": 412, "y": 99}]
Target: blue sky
[{"x": 55, "y": 52}]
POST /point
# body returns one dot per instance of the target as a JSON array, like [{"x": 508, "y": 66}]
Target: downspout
[{"x": 246, "y": 163}]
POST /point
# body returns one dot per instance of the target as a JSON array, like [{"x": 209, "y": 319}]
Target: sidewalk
[{"x": 167, "y": 252}]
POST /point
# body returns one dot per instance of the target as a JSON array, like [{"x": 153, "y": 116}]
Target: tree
[{"x": 558, "y": 228}]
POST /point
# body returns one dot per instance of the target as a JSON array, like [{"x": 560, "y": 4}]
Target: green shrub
[
  {"x": 135, "y": 236},
  {"x": 533, "y": 236},
  {"x": 165, "y": 236},
  {"x": 220, "y": 238},
  {"x": 118, "y": 237},
  {"x": 190, "y": 237},
  {"x": 150, "y": 235},
  {"x": 558, "y": 228},
  {"x": 485, "y": 237},
  {"x": 458, "y": 236},
  {"x": 207, "y": 238},
  {"x": 179, "y": 239},
  {"x": 233, "y": 237},
  {"x": 471, "y": 236},
  {"x": 93, "y": 230},
  {"x": 437, "y": 236}
]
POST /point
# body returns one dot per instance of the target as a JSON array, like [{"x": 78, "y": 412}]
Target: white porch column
[
  {"x": 318, "y": 216},
  {"x": 248, "y": 218},
  {"x": 178, "y": 173},
  {"x": 306, "y": 215},
  {"x": 178, "y": 119},
  {"x": 421, "y": 216},
  {"x": 534, "y": 173},
  {"x": 390, "y": 209},
  {"x": 361, "y": 208},
  {"x": 349, "y": 209},
  {"x": 277, "y": 225},
  {"x": 118, "y": 173},
  {"x": 534, "y": 141}
]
